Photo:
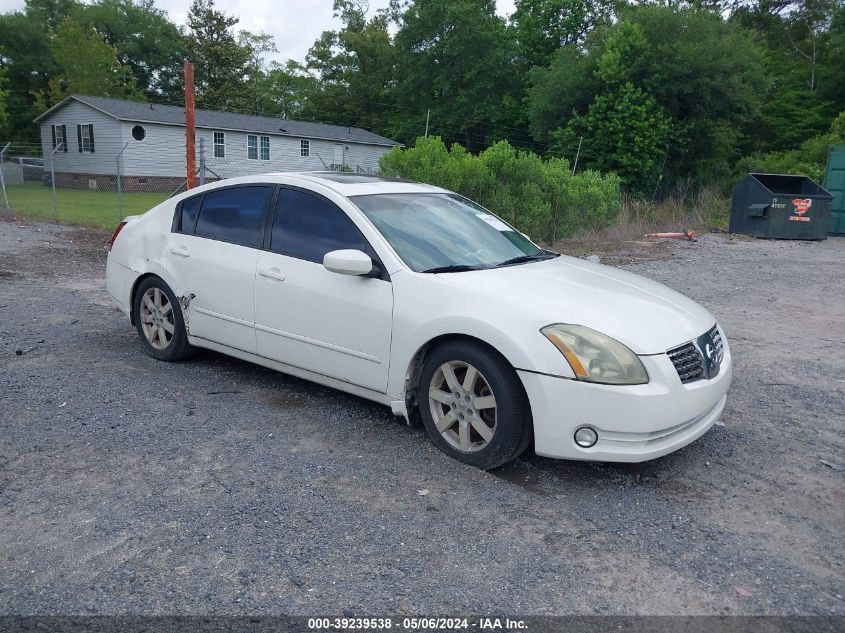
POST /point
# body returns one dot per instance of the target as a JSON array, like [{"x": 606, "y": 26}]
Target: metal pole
[
  {"x": 427, "y": 115},
  {"x": 202, "y": 161},
  {"x": 577, "y": 154},
  {"x": 660, "y": 176},
  {"x": 119, "y": 160},
  {"x": 53, "y": 179},
  {"x": 2, "y": 177},
  {"x": 53, "y": 183}
]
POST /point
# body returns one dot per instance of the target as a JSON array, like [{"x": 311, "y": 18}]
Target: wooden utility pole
[{"x": 190, "y": 127}]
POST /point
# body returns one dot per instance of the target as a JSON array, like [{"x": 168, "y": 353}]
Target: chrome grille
[
  {"x": 688, "y": 362},
  {"x": 717, "y": 340}
]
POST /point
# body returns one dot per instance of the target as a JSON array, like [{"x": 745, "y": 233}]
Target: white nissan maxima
[{"x": 417, "y": 298}]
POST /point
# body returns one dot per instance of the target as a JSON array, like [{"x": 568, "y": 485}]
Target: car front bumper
[{"x": 634, "y": 423}]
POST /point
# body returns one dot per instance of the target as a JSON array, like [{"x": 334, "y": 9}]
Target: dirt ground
[{"x": 130, "y": 486}]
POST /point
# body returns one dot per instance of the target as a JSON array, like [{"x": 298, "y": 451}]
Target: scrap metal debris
[
  {"x": 690, "y": 235},
  {"x": 834, "y": 466}
]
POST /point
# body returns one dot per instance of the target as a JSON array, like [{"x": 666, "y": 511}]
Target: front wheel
[
  {"x": 473, "y": 405},
  {"x": 158, "y": 317}
]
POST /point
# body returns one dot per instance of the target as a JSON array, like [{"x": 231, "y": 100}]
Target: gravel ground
[{"x": 131, "y": 486}]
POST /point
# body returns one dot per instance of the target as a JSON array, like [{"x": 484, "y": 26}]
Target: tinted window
[
  {"x": 189, "y": 214},
  {"x": 233, "y": 215},
  {"x": 308, "y": 227}
]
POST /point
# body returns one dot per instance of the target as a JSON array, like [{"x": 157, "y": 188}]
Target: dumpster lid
[{"x": 790, "y": 184}]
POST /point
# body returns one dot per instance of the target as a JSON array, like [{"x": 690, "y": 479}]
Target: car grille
[
  {"x": 717, "y": 340},
  {"x": 689, "y": 362}
]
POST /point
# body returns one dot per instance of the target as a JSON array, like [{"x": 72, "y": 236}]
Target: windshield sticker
[{"x": 493, "y": 221}]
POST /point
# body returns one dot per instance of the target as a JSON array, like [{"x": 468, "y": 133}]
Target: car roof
[
  {"x": 352, "y": 184},
  {"x": 347, "y": 185}
]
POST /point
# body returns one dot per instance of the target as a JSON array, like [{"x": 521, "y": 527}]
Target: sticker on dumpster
[{"x": 802, "y": 205}]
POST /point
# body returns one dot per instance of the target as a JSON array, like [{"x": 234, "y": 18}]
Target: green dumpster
[
  {"x": 780, "y": 207},
  {"x": 834, "y": 182}
]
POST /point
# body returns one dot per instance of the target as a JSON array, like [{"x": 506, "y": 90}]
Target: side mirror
[{"x": 348, "y": 262}]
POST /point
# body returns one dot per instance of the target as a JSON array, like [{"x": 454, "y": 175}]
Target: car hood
[{"x": 646, "y": 316}]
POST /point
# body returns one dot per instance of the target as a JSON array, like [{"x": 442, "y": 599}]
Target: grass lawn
[{"x": 78, "y": 206}]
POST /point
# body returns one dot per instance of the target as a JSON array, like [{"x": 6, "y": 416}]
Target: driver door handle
[
  {"x": 271, "y": 273},
  {"x": 181, "y": 251}
]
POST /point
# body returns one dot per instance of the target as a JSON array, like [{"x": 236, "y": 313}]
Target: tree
[
  {"x": 284, "y": 89},
  {"x": 221, "y": 63},
  {"x": 810, "y": 158},
  {"x": 543, "y": 26},
  {"x": 4, "y": 95},
  {"x": 704, "y": 74},
  {"x": 25, "y": 55},
  {"x": 794, "y": 40},
  {"x": 456, "y": 57},
  {"x": 146, "y": 41},
  {"x": 625, "y": 132},
  {"x": 355, "y": 66},
  {"x": 258, "y": 46},
  {"x": 832, "y": 70},
  {"x": 88, "y": 65}
]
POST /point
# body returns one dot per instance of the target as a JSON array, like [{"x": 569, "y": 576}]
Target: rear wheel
[
  {"x": 473, "y": 405},
  {"x": 159, "y": 320}
]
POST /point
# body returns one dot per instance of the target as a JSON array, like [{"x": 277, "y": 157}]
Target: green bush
[
  {"x": 539, "y": 197},
  {"x": 808, "y": 160}
]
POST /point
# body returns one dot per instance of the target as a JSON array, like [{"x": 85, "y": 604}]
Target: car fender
[
  {"x": 418, "y": 321},
  {"x": 141, "y": 248}
]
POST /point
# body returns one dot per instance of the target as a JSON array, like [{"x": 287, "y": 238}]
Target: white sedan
[{"x": 418, "y": 298}]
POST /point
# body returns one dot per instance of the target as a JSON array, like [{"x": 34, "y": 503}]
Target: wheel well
[
  {"x": 132, "y": 295},
  {"x": 415, "y": 367}
]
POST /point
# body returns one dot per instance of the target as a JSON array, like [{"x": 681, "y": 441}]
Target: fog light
[{"x": 585, "y": 437}]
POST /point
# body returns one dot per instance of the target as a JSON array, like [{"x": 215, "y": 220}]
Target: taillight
[{"x": 116, "y": 231}]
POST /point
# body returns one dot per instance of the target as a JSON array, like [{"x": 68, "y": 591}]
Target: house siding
[
  {"x": 159, "y": 159},
  {"x": 108, "y": 139},
  {"x": 160, "y": 153}
]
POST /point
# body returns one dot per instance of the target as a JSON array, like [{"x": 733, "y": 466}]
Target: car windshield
[{"x": 443, "y": 232}]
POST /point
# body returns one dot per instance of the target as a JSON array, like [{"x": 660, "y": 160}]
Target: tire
[
  {"x": 154, "y": 319},
  {"x": 460, "y": 412}
]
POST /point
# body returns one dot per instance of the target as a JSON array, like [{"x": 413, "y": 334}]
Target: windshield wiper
[
  {"x": 452, "y": 268},
  {"x": 527, "y": 258}
]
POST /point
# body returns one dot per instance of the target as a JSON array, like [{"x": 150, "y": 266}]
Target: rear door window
[
  {"x": 188, "y": 217},
  {"x": 233, "y": 215},
  {"x": 307, "y": 227}
]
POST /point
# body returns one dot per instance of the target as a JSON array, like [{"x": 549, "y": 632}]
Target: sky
[{"x": 295, "y": 24}]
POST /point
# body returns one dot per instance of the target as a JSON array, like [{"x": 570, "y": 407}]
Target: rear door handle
[
  {"x": 272, "y": 273},
  {"x": 181, "y": 251}
]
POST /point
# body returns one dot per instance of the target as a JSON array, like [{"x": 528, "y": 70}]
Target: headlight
[{"x": 595, "y": 357}]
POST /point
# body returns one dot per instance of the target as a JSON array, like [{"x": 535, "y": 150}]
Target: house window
[
  {"x": 265, "y": 148},
  {"x": 138, "y": 132},
  {"x": 59, "y": 133},
  {"x": 304, "y": 148},
  {"x": 85, "y": 138},
  {"x": 219, "y": 145},
  {"x": 252, "y": 147}
]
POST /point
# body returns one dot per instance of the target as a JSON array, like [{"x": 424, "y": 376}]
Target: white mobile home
[{"x": 88, "y": 139}]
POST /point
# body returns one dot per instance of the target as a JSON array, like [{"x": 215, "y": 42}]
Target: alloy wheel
[
  {"x": 463, "y": 406},
  {"x": 157, "y": 320}
]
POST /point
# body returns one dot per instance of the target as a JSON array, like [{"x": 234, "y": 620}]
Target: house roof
[{"x": 141, "y": 112}]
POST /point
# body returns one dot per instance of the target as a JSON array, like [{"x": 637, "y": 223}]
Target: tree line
[{"x": 658, "y": 92}]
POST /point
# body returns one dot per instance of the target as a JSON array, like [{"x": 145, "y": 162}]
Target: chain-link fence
[
  {"x": 94, "y": 183},
  {"x": 97, "y": 179}
]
